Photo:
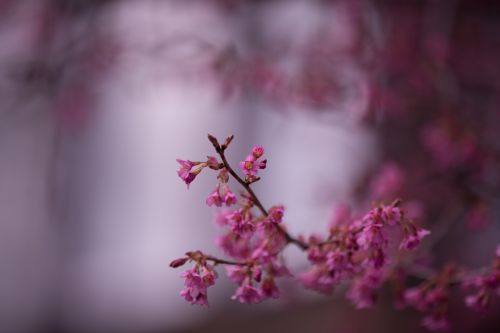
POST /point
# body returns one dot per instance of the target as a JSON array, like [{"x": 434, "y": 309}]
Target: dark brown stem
[{"x": 217, "y": 261}]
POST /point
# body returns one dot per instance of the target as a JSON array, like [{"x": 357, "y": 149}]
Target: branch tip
[{"x": 214, "y": 142}]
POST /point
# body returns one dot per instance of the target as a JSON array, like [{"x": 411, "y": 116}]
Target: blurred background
[{"x": 354, "y": 101}]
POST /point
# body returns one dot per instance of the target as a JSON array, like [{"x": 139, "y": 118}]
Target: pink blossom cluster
[
  {"x": 432, "y": 298},
  {"x": 255, "y": 239},
  {"x": 486, "y": 285},
  {"x": 357, "y": 250},
  {"x": 447, "y": 145},
  {"x": 363, "y": 251},
  {"x": 251, "y": 164},
  {"x": 222, "y": 194},
  {"x": 197, "y": 279},
  {"x": 257, "y": 242}
]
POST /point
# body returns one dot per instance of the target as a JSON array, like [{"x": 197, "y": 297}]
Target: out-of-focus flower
[
  {"x": 246, "y": 293},
  {"x": 487, "y": 285},
  {"x": 413, "y": 235},
  {"x": 436, "y": 322},
  {"x": 268, "y": 288},
  {"x": 276, "y": 214},
  {"x": 389, "y": 182},
  {"x": 341, "y": 215},
  {"x": 363, "y": 289}
]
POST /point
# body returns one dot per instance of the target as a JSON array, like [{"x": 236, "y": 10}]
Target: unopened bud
[
  {"x": 213, "y": 163},
  {"x": 263, "y": 164},
  {"x": 178, "y": 262},
  {"x": 227, "y": 141},
  {"x": 214, "y": 141}
]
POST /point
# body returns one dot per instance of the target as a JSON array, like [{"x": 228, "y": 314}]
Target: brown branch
[{"x": 220, "y": 150}]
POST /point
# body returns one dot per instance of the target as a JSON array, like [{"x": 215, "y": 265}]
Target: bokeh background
[{"x": 353, "y": 101}]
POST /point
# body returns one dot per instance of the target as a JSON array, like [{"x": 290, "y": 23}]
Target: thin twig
[{"x": 223, "y": 261}]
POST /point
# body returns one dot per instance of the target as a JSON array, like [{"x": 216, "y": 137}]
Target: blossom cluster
[
  {"x": 357, "y": 250},
  {"x": 486, "y": 286},
  {"x": 432, "y": 297},
  {"x": 364, "y": 251},
  {"x": 197, "y": 279}
]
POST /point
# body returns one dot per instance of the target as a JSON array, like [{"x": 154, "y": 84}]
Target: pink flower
[
  {"x": 388, "y": 182},
  {"x": 377, "y": 258},
  {"x": 222, "y": 194},
  {"x": 186, "y": 172},
  {"x": 192, "y": 278},
  {"x": 266, "y": 227},
  {"x": 276, "y": 214},
  {"x": 446, "y": 149},
  {"x": 195, "y": 295},
  {"x": 487, "y": 285},
  {"x": 372, "y": 236},
  {"x": 214, "y": 198},
  {"x": 196, "y": 283},
  {"x": 250, "y": 166},
  {"x": 208, "y": 274},
  {"x": 391, "y": 215},
  {"x": 384, "y": 215},
  {"x": 436, "y": 295},
  {"x": 413, "y": 235},
  {"x": 262, "y": 255},
  {"x": 317, "y": 279},
  {"x": 241, "y": 223},
  {"x": 432, "y": 299},
  {"x": 436, "y": 322},
  {"x": 268, "y": 288},
  {"x": 228, "y": 196},
  {"x": 339, "y": 265},
  {"x": 237, "y": 274},
  {"x": 272, "y": 243},
  {"x": 478, "y": 302},
  {"x": 247, "y": 293},
  {"x": 415, "y": 297},
  {"x": 221, "y": 217},
  {"x": 362, "y": 292},
  {"x": 234, "y": 245},
  {"x": 315, "y": 254},
  {"x": 257, "y": 151},
  {"x": 373, "y": 216},
  {"x": 213, "y": 163}
]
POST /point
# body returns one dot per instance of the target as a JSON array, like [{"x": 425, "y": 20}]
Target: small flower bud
[
  {"x": 227, "y": 141},
  {"x": 257, "y": 151},
  {"x": 178, "y": 262},
  {"x": 214, "y": 142},
  {"x": 212, "y": 163},
  {"x": 263, "y": 164}
]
